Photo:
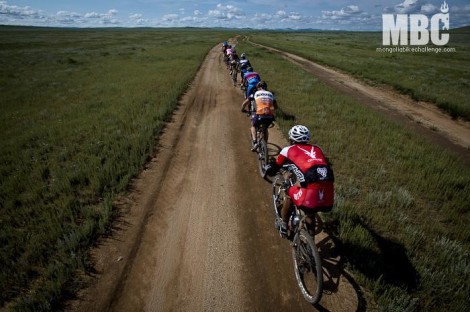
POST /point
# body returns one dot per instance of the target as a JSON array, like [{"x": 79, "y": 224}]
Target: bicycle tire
[
  {"x": 262, "y": 157},
  {"x": 279, "y": 192},
  {"x": 307, "y": 266},
  {"x": 234, "y": 76}
]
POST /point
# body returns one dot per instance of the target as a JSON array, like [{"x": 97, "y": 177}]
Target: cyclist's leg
[
  {"x": 254, "y": 122},
  {"x": 248, "y": 90},
  {"x": 266, "y": 130}
]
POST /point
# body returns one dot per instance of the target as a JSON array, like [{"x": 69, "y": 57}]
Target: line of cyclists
[{"x": 314, "y": 177}]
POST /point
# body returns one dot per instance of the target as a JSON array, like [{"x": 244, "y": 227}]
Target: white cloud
[
  {"x": 412, "y": 7},
  {"x": 281, "y": 14},
  {"x": 349, "y": 12},
  {"x": 409, "y": 7},
  {"x": 429, "y": 8},
  {"x": 294, "y": 16},
  {"x": 92, "y": 15},
  {"x": 262, "y": 17},
  {"x": 95, "y": 19},
  {"x": 135, "y": 16},
  {"x": 228, "y": 12},
  {"x": 15, "y": 10},
  {"x": 137, "y": 19},
  {"x": 170, "y": 18}
]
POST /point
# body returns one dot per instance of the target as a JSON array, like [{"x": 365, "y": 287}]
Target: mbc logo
[{"x": 396, "y": 31}]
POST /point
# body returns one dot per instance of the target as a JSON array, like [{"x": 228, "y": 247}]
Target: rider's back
[
  {"x": 264, "y": 102},
  {"x": 315, "y": 188}
]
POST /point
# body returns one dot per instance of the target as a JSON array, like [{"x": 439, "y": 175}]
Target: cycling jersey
[
  {"x": 252, "y": 78},
  {"x": 315, "y": 189},
  {"x": 264, "y": 102},
  {"x": 243, "y": 64}
]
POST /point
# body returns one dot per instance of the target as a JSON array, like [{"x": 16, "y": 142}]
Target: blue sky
[{"x": 319, "y": 14}]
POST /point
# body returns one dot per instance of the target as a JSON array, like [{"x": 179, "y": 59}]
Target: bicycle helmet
[
  {"x": 249, "y": 68},
  {"x": 299, "y": 134},
  {"x": 262, "y": 85},
  {"x": 225, "y": 43},
  {"x": 243, "y": 56}
]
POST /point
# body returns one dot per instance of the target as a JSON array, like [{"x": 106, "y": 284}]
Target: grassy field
[
  {"x": 402, "y": 205},
  {"x": 441, "y": 78},
  {"x": 80, "y": 111}
]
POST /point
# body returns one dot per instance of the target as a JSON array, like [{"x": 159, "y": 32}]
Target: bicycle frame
[{"x": 261, "y": 130}]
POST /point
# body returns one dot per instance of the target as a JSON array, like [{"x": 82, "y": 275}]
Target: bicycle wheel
[
  {"x": 307, "y": 267},
  {"x": 234, "y": 77},
  {"x": 262, "y": 157},
  {"x": 279, "y": 192}
]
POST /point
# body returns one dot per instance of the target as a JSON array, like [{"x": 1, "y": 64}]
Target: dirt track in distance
[{"x": 196, "y": 231}]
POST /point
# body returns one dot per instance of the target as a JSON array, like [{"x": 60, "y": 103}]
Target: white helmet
[{"x": 299, "y": 134}]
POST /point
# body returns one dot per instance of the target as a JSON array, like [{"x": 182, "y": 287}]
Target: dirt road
[{"x": 196, "y": 232}]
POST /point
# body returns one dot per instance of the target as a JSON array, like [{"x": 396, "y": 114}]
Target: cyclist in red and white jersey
[{"x": 314, "y": 177}]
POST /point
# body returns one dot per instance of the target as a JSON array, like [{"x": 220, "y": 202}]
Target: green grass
[
  {"x": 441, "y": 78},
  {"x": 80, "y": 112},
  {"x": 402, "y": 204}
]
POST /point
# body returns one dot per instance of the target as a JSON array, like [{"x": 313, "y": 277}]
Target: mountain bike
[{"x": 301, "y": 231}]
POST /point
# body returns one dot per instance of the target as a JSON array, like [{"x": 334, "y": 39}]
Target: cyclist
[
  {"x": 263, "y": 110},
  {"x": 313, "y": 175},
  {"x": 243, "y": 64},
  {"x": 251, "y": 79},
  {"x": 224, "y": 46},
  {"x": 233, "y": 60},
  {"x": 224, "y": 49},
  {"x": 228, "y": 52}
]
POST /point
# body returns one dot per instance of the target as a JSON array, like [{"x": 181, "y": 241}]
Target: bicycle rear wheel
[
  {"x": 234, "y": 76},
  {"x": 262, "y": 157},
  {"x": 307, "y": 266}
]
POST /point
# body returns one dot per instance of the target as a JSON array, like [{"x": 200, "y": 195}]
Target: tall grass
[
  {"x": 441, "y": 78},
  {"x": 402, "y": 205},
  {"x": 80, "y": 112}
]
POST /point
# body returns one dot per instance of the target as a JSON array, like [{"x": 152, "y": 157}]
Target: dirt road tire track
[{"x": 196, "y": 232}]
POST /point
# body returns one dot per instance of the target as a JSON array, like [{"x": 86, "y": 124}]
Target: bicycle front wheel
[
  {"x": 279, "y": 192},
  {"x": 307, "y": 266},
  {"x": 262, "y": 157}
]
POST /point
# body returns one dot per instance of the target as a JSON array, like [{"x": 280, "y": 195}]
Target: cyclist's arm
[{"x": 281, "y": 159}]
